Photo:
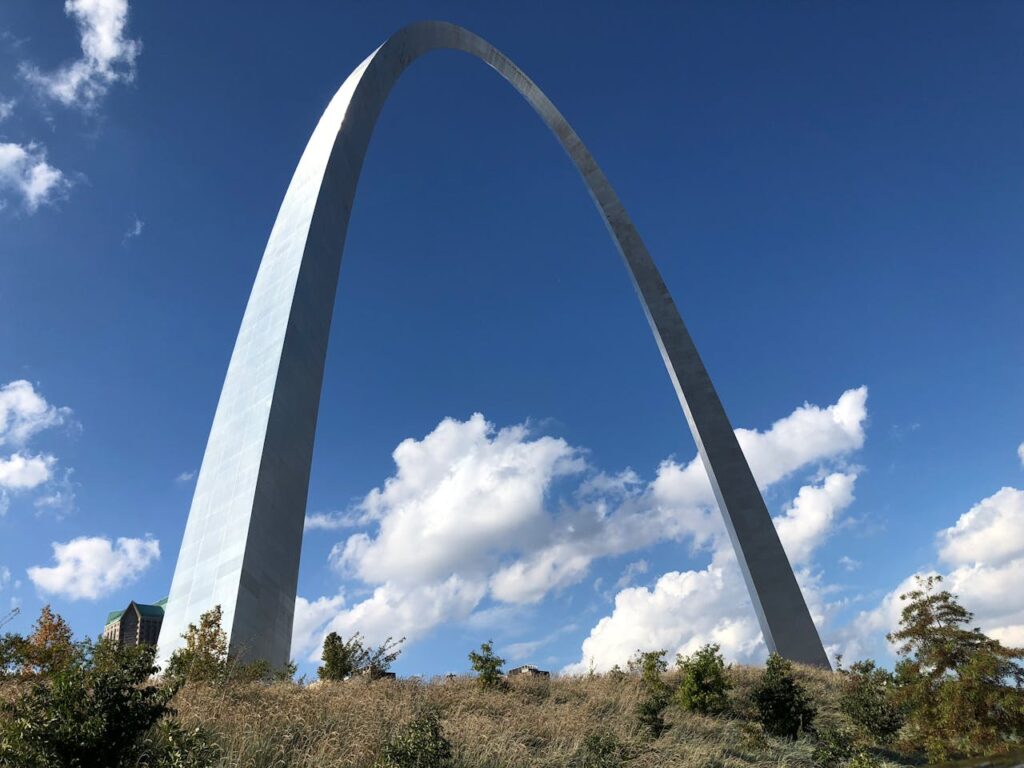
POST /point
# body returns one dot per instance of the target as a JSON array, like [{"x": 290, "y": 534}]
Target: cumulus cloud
[
  {"x": 90, "y": 567},
  {"x": 24, "y": 412},
  {"x": 984, "y": 552},
  {"x": 6, "y": 108},
  {"x": 108, "y": 55},
  {"x": 310, "y": 618},
  {"x": 686, "y": 609},
  {"x": 473, "y": 512},
  {"x": 25, "y": 172},
  {"x": 19, "y": 472}
]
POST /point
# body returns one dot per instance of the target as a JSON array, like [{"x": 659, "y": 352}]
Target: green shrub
[
  {"x": 487, "y": 666},
  {"x": 655, "y": 693},
  {"x": 420, "y": 744},
  {"x": 703, "y": 685},
  {"x": 833, "y": 748},
  {"x": 784, "y": 708},
  {"x": 868, "y": 698},
  {"x": 91, "y": 714},
  {"x": 600, "y": 749},
  {"x": 169, "y": 745}
]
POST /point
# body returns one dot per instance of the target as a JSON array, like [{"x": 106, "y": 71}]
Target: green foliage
[
  {"x": 205, "y": 655},
  {"x": 12, "y": 655},
  {"x": 703, "y": 684},
  {"x": 784, "y": 708},
  {"x": 169, "y": 745},
  {"x": 962, "y": 689},
  {"x": 49, "y": 649},
  {"x": 92, "y": 713},
  {"x": 834, "y": 747},
  {"x": 487, "y": 666},
  {"x": 655, "y": 694},
  {"x": 600, "y": 749},
  {"x": 420, "y": 744},
  {"x": 345, "y": 658},
  {"x": 869, "y": 699}
]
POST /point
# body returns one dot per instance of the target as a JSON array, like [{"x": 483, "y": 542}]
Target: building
[
  {"x": 137, "y": 624},
  {"x": 528, "y": 670}
]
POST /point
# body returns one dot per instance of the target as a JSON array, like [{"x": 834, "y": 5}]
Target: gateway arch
[{"x": 244, "y": 532}]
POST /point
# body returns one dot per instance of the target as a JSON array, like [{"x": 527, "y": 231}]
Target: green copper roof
[{"x": 156, "y": 610}]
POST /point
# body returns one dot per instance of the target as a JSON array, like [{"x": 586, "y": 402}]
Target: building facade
[{"x": 138, "y": 624}]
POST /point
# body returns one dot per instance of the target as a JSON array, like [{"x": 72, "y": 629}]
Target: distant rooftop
[{"x": 155, "y": 610}]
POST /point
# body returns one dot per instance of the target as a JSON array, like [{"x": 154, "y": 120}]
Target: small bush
[
  {"x": 420, "y": 744},
  {"x": 868, "y": 700},
  {"x": 834, "y": 747},
  {"x": 487, "y": 666},
  {"x": 169, "y": 745},
  {"x": 600, "y": 749},
  {"x": 703, "y": 685},
  {"x": 783, "y": 706},
  {"x": 655, "y": 694}
]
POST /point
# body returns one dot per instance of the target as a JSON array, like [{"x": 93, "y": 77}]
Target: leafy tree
[
  {"x": 703, "y": 685},
  {"x": 962, "y": 689},
  {"x": 869, "y": 698},
  {"x": 345, "y": 658},
  {"x": 50, "y": 648},
  {"x": 205, "y": 655},
  {"x": 487, "y": 666},
  {"x": 783, "y": 706},
  {"x": 12, "y": 654},
  {"x": 93, "y": 712},
  {"x": 655, "y": 693}
]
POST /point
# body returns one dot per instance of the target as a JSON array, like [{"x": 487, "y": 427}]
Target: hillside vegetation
[{"x": 63, "y": 704}]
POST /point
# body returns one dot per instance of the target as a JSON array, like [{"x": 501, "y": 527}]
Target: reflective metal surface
[{"x": 244, "y": 531}]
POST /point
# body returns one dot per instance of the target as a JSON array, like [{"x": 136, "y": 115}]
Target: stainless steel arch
[{"x": 244, "y": 532}]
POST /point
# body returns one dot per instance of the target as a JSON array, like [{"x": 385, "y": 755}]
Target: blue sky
[{"x": 833, "y": 194}]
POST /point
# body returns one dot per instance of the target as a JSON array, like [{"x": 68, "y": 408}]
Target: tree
[
  {"x": 94, "y": 711},
  {"x": 783, "y": 706},
  {"x": 703, "y": 685},
  {"x": 962, "y": 689},
  {"x": 487, "y": 666},
  {"x": 345, "y": 658},
  {"x": 655, "y": 692},
  {"x": 205, "y": 655},
  {"x": 50, "y": 648}
]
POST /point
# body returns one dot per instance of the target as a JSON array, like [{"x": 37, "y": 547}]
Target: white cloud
[
  {"x": 985, "y": 552},
  {"x": 134, "y": 230},
  {"x": 91, "y": 567},
  {"x": 632, "y": 570},
  {"x": 24, "y": 171},
  {"x": 472, "y": 512},
  {"x": 20, "y": 472},
  {"x": 1020, "y": 453},
  {"x": 24, "y": 412},
  {"x": 308, "y": 625},
  {"x": 460, "y": 495},
  {"x": 332, "y": 521},
  {"x": 686, "y": 609},
  {"x": 6, "y": 108},
  {"x": 185, "y": 477},
  {"x": 108, "y": 56},
  {"x": 990, "y": 532},
  {"x": 848, "y": 563},
  {"x": 811, "y": 517}
]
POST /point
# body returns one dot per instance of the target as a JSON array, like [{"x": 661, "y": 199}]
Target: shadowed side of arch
[{"x": 243, "y": 536}]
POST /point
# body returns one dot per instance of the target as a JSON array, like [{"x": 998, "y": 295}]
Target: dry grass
[{"x": 535, "y": 723}]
